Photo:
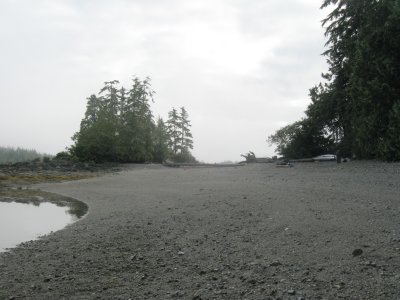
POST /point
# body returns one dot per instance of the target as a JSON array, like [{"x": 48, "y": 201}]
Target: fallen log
[
  {"x": 201, "y": 165},
  {"x": 300, "y": 160}
]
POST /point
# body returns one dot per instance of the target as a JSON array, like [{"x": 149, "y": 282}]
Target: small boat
[{"x": 325, "y": 157}]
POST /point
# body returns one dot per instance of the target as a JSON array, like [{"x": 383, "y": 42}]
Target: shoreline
[{"x": 250, "y": 232}]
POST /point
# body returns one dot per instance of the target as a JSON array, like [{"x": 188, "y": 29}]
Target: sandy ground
[{"x": 252, "y": 232}]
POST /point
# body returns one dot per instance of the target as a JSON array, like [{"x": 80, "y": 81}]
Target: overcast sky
[{"x": 241, "y": 68}]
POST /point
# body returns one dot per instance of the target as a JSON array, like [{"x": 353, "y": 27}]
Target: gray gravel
[{"x": 252, "y": 232}]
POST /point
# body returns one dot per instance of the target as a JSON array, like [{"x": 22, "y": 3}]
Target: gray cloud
[{"x": 241, "y": 70}]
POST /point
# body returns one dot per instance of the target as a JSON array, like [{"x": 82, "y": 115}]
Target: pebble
[
  {"x": 337, "y": 286},
  {"x": 275, "y": 263},
  {"x": 291, "y": 292},
  {"x": 177, "y": 294},
  {"x": 357, "y": 252},
  {"x": 370, "y": 263},
  {"x": 197, "y": 295}
]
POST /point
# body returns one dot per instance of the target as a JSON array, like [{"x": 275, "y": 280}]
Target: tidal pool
[{"x": 27, "y": 218}]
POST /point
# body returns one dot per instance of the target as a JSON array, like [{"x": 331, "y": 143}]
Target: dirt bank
[{"x": 252, "y": 232}]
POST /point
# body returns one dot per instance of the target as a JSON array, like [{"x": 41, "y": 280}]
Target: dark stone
[
  {"x": 357, "y": 252},
  {"x": 275, "y": 263}
]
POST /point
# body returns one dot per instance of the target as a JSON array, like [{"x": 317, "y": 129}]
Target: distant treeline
[
  {"x": 356, "y": 110},
  {"x": 12, "y": 155}
]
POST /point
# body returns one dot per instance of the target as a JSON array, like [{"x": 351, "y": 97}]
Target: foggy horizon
[{"x": 242, "y": 71}]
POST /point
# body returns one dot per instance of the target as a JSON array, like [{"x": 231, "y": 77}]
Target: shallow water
[{"x": 20, "y": 222}]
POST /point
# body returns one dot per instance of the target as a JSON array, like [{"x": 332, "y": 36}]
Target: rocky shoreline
[
  {"x": 26, "y": 173},
  {"x": 314, "y": 231}
]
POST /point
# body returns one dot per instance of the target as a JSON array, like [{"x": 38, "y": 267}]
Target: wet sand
[{"x": 252, "y": 232}]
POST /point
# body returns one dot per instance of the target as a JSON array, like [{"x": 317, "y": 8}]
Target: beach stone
[
  {"x": 291, "y": 292},
  {"x": 357, "y": 252},
  {"x": 275, "y": 263},
  {"x": 370, "y": 263},
  {"x": 197, "y": 295}
]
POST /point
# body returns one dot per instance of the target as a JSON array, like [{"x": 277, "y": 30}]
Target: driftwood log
[
  {"x": 199, "y": 165},
  {"x": 251, "y": 158}
]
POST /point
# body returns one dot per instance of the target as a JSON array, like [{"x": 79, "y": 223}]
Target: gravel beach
[{"x": 315, "y": 231}]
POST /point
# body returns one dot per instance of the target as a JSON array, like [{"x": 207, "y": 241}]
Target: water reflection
[{"x": 26, "y": 215}]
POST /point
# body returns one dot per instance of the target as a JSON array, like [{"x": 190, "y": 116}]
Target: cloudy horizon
[{"x": 242, "y": 71}]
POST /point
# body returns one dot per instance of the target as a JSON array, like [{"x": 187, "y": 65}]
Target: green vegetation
[
  {"x": 180, "y": 138},
  {"x": 118, "y": 127},
  {"x": 12, "y": 155},
  {"x": 357, "y": 109}
]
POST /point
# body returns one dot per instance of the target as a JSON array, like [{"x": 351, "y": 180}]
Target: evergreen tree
[
  {"x": 357, "y": 106},
  {"x": 118, "y": 125},
  {"x": 363, "y": 54},
  {"x": 161, "y": 139},
  {"x": 98, "y": 134},
  {"x": 174, "y": 131},
  {"x": 181, "y": 140},
  {"x": 186, "y": 138},
  {"x": 136, "y": 135}
]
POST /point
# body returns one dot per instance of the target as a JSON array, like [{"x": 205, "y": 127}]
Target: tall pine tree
[
  {"x": 357, "y": 106},
  {"x": 161, "y": 150},
  {"x": 181, "y": 140},
  {"x": 174, "y": 131},
  {"x": 186, "y": 138}
]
